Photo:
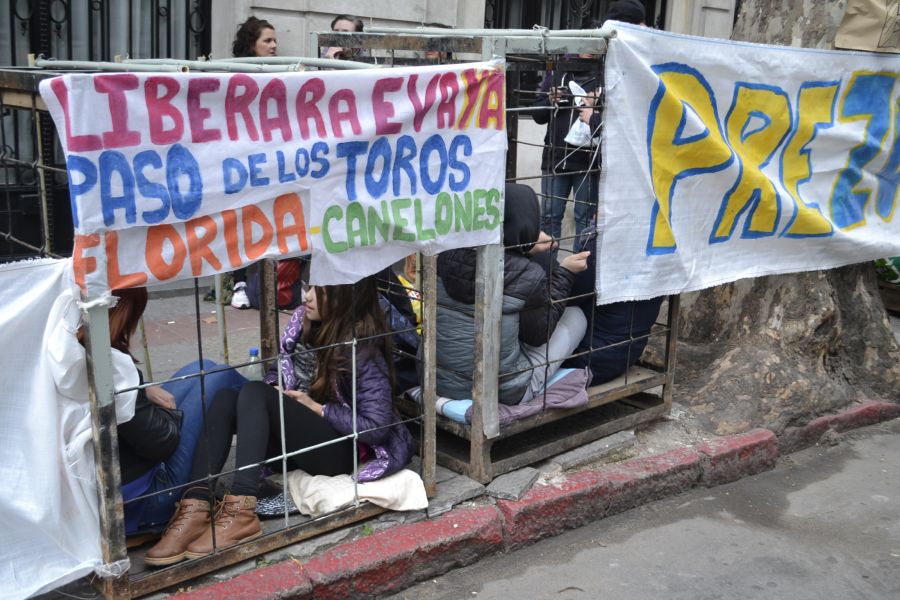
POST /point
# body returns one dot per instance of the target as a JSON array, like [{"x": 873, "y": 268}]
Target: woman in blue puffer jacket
[{"x": 317, "y": 379}]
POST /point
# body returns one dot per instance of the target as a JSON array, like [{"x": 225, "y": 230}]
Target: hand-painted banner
[
  {"x": 179, "y": 175},
  {"x": 725, "y": 160}
]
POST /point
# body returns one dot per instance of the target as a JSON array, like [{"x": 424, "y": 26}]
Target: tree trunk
[{"x": 778, "y": 351}]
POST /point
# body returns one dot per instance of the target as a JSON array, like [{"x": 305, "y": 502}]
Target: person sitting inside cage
[
  {"x": 403, "y": 318},
  {"x": 156, "y": 445},
  {"x": 319, "y": 374},
  {"x": 617, "y": 333},
  {"x": 536, "y": 329}
]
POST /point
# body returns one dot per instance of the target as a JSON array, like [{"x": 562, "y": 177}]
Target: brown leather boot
[
  {"x": 235, "y": 522},
  {"x": 190, "y": 520}
]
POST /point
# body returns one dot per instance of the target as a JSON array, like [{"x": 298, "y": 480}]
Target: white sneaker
[{"x": 239, "y": 297}]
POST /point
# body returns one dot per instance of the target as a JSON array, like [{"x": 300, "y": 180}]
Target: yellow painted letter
[{"x": 684, "y": 101}]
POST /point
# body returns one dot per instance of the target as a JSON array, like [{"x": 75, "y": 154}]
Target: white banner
[
  {"x": 181, "y": 175},
  {"x": 724, "y": 160}
]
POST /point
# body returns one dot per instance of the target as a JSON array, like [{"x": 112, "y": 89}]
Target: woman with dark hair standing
[
  {"x": 317, "y": 375},
  {"x": 254, "y": 37}
]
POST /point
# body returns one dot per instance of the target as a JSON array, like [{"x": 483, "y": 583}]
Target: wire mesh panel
[
  {"x": 501, "y": 327},
  {"x": 528, "y": 308},
  {"x": 359, "y": 352}
]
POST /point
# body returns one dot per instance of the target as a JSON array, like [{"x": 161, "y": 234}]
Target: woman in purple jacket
[{"x": 317, "y": 381}]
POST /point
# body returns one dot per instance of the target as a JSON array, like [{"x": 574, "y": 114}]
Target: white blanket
[{"x": 316, "y": 495}]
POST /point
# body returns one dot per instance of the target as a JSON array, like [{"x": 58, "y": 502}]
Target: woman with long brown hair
[
  {"x": 339, "y": 329},
  {"x": 156, "y": 446}
]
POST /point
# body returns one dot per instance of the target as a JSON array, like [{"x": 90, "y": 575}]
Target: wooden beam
[
  {"x": 429, "y": 383},
  {"x": 104, "y": 434},
  {"x": 268, "y": 311}
]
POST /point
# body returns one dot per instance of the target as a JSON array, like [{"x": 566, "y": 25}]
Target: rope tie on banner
[
  {"x": 543, "y": 31},
  {"x": 104, "y": 299},
  {"x": 113, "y": 570}
]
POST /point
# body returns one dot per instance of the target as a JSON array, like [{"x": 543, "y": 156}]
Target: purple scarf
[{"x": 297, "y": 369}]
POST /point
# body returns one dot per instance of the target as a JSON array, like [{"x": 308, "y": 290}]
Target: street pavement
[
  {"x": 171, "y": 324},
  {"x": 825, "y": 523}
]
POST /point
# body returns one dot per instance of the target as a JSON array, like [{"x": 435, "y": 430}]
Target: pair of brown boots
[{"x": 189, "y": 534}]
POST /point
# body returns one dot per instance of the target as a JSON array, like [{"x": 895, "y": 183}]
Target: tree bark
[{"x": 778, "y": 351}]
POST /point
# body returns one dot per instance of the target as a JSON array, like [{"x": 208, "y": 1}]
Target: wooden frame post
[
  {"x": 268, "y": 307},
  {"x": 101, "y": 394},
  {"x": 428, "y": 279},
  {"x": 488, "y": 310},
  {"x": 671, "y": 337}
]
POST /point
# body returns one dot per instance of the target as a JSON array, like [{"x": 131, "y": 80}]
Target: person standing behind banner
[
  {"x": 626, "y": 11},
  {"x": 254, "y": 37},
  {"x": 345, "y": 24},
  {"x": 565, "y": 168}
]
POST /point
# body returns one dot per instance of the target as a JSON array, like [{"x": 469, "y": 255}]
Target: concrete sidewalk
[
  {"x": 171, "y": 323},
  {"x": 824, "y": 523}
]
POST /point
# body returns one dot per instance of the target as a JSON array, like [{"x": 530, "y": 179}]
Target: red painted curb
[
  {"x": 642, "y": 480},
  {"x": 590, "y": 495},
  {"x": 862, "y": 415},
  {"x": 282, "y": 580},
  {"x": 867, "y": 413},
  {"x": 889, "y": 410},
  {"x": 395, "y": 559},
  {"x": 732, "y": 457},
  {"x": 548, "y": 510}
]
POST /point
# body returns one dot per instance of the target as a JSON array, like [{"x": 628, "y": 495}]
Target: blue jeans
[
  {"x": 176, "y": 470},
  {"x": 555, "y": 189}
]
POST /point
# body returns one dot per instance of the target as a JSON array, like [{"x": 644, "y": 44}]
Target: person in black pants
[{"x": 318, "y": 383}]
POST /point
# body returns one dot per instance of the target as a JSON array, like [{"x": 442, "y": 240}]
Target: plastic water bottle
[{"x": 254, "y": 370}]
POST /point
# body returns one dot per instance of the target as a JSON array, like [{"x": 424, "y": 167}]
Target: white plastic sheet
[{"x": 49, "y": 523}]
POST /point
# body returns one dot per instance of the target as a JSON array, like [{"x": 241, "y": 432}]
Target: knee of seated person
[
  {"x": 224, "y": 395},
  {"x": 254, "y": 389}
]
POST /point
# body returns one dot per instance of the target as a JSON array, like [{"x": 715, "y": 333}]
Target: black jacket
[
  {"x": 558, "y": 156},
  {"x": 528, "y": 315},
  {"x": 523, "y": 278},
  {"x": 150, "y": 437}
]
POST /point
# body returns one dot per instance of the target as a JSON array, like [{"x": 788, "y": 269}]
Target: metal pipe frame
[
  {"x": 83, "y": 65},
  {"x": 605, "y": 32},
  {"x": 322, "y": 63}
]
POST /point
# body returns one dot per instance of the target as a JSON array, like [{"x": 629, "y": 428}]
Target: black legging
[{"x": 253, "y": 414}]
